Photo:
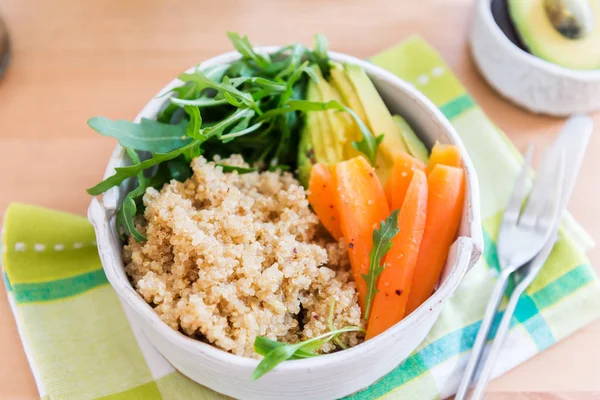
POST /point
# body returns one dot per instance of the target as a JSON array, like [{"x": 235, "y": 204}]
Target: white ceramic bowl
[
  {"x": 534, "y": 84},
  {"x": 324, "y": 377}
]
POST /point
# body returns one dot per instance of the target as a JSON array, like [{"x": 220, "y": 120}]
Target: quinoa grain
[{"x": 230, "y": 257}]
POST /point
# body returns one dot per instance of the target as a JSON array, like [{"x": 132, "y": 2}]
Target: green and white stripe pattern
[{"x": 81, "y": 346}]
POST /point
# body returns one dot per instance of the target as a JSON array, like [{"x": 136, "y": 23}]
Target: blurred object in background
[{"x": 4, "y": 48}]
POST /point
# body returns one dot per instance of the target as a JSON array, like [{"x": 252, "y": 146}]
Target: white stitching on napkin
[
  {"x": 437, "y": 71},
  {"x": 39, "y": 247},
  {"x": 423, "y": 79}
]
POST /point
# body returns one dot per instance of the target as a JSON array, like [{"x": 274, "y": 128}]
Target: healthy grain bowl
[{"x": 285, "y": 222}]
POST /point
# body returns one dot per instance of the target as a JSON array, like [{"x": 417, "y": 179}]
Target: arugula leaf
[
  {"x": 336, "y": 338},
  {"x": 292, "y": 80},
  {"x": 216, "y": 72},
  {"x": 285, "y": 351},
  {"x": 273, "y": 86},
  {"x": 193, "y": 128},
  {"x": 382, "y": 243},
  {"x": 368, "y": 145},
  {"x": 241, "y": 68},
  {"x": 235, "y": 133},
  {"x": 302, "y": 105},
  {"x": 274, "y": 358},
  {"x": 292, "y": 61},
  {"x": 243, "y": 46},
  {"x": 183, "y": 93},
  {"x": 218, "y": 128},
  {"x": 203, "y": 82},
  {"x": 320, "y": 54},
  {"x": 239, "y": 170},
  {"x": 263, "y": 346},
  {"x": 148, "y": 135},
  {"x": 128, "y": 211},
  {"x": 142, "y": 180},
  {"x": 122, "y": 173},
  {"x": 281, "y": 167},
  {"x": 178, "y": 169},
  {"x": 203, "y": 101}
]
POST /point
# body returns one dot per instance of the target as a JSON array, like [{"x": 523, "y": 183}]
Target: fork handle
[
  {"x": 482, "y": 334},
  {"x": 490, "y": 362}
]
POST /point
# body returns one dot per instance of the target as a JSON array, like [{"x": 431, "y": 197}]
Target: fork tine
[
  {"x": 542, "y": 185},
  {"x": 513, "y": 209}
]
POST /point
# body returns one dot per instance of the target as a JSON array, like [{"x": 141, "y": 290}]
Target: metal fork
[
  {"x": 522, "y": 235},
  {"x": 571, "y": 143},
  {"x": 524, "y": 277}
]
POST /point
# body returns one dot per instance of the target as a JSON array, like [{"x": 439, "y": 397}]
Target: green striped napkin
[{"x": 81, "y": 346}]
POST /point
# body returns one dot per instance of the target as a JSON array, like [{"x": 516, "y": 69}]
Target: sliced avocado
[
  {"x": 416, "y": 148},
  {"x": 544, "y": 41},
  {"x": 339, "y": 81},
  {"x": 331, "y": 153},
  {"x": 340, "y": 124},
  {"x": 378, "y": 118},
  {"x": 317, "y": 143}
]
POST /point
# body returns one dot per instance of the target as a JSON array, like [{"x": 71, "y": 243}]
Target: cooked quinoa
[{"x": 230, "y": 257}]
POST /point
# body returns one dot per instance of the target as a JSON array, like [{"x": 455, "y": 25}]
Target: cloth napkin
[{"x": 80, "y": 345}]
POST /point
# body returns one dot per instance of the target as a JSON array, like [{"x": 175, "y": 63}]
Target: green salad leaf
[
  {"x": 243, "y": 46},
  {"x": 250, "y": 107},
  {"x": 320, "y": 54},
  {"x": 193, "y": 129},
  {"x": 148, "y": 135},
  {"x": 239, "y": 170},
  {"x": 263, "y": 346},
  {"x": 368, "y": 145},
  {"x": 225, "y": 88},
  {"x": 382, "y": 243},
  {"x": 275, "y": 353},
  {"x": 128, "y": 210},
  {"x": 122, "y": 173}
]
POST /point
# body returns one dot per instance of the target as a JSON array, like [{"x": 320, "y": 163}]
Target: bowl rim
[
  {"x": 469, "y": 247},
  {"x": 484, "y": 10}
]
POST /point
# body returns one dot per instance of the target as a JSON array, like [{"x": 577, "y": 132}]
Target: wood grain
[{"x": 76, "y": 59}]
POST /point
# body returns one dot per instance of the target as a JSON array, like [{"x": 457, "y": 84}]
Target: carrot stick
[
  {"x": 387, "y": 190},
  {"x": 444, "y": 210},
  {"x": 362, "y": 206},
  {"x": 321, "y": 196},
  {"x": 401, "y": 177},
  {"x": 445, "y": 154},
  {"x": 394, "y": 284}
]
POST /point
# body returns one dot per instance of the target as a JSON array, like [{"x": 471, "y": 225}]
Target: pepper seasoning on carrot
[
  {"x": 394, "y": 285},
  {"x": 362, "y": 205},
  {"x": 444, "y": 211}
]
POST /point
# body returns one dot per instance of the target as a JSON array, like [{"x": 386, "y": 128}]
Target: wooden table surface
[{"x": 76, "y": 59}]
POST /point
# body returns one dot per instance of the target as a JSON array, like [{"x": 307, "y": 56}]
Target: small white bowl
[
  {"x": 528, "y": 81},
  {"x": 324, "y": 377}
]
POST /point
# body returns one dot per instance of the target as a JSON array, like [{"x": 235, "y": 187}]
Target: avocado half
[{"x": 544, "y": 41}]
